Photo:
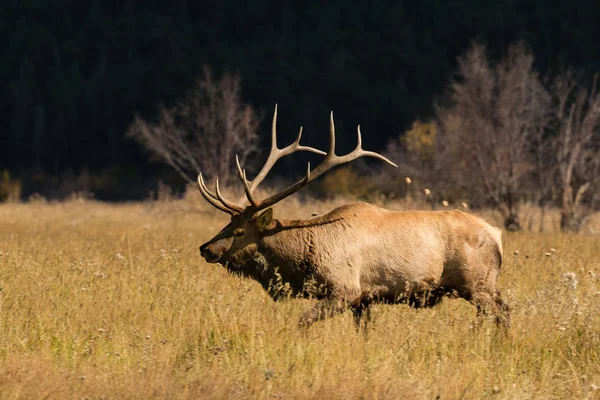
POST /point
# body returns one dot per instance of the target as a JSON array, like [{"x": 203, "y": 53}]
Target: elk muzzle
[
  {"x": 214, "y": 249},
  {"x": 210, "y": 253}
]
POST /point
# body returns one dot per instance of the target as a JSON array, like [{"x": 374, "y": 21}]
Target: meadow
[{"x": 106, "y": 301}]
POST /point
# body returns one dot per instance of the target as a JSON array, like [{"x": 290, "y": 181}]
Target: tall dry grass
[{"x": 113, "y": 301}]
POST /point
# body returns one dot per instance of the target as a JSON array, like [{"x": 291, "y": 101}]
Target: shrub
[
  {"x": 10, "y": 189},
  {"x": 346, "y": 181}
]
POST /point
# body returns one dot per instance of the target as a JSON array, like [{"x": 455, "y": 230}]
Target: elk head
[{"x": 236, "y": 244}]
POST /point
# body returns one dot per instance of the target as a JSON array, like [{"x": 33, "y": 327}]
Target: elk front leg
[
  {"x": 362, "y": 315},
  {"x": 324, "y": 308}
]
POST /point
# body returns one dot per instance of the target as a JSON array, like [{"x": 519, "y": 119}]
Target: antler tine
[
  {"x": 274, "y": 129},
  {"x": 209, "y": 197},
  {"x": 242, "y": 175},
  {"x": 273, "y": 156},
  {"x": 332, "y": 160},
  {"x": 296, "y": 146},
  {"x": 359, "y": 152},
  {"x": 226, "y": 202},
  {"x": 206, "y": 189},
  {"x": 331, "y": 152}
]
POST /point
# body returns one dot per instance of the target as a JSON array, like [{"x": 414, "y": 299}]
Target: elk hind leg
[
  {"x": 491, "y": 305},
  {"x": 324, "y": 308},
  {"x": 503, "y": 311}
]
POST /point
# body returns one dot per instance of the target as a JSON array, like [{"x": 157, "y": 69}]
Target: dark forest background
[{"x": 74, "y": 73}]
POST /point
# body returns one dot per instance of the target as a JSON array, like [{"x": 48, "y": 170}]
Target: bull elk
[{"x": 358, "y": 253}]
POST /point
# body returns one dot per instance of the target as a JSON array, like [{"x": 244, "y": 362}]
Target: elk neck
[
  {"x": 286, "y": 243},
  {"x": 284, "y": 250}
]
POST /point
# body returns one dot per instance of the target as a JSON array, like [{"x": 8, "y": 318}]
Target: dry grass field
[{"x": 106, "y": 301}]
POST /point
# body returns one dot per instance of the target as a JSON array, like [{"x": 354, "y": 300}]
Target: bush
[
  {"x": 10, "y": 189},
  {"x": 346, "y": 181}
]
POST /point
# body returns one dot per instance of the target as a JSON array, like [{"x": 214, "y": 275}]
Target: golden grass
[{"x": 114, "y": 301}]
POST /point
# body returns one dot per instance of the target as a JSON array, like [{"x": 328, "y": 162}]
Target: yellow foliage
[
  {"x": 10, "y": 189},
  {"x": 420, "y": 139},
  {"x": 346, "y": 181}
]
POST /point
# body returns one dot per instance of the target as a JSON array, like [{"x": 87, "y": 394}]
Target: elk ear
[{"x": 264, "y": 219}]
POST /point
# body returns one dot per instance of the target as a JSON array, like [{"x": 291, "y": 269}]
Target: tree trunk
[
  {"x": 571, "y": 215},
  {"x": 512, "y": 223},
  {"x": 542, "y": 217},
  {"x": 570, "y": 222}
]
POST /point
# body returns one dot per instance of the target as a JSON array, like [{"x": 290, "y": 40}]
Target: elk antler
[
  {"x": 331, "y": 160},
  {"x": 275, "y": 154},
  {"x": 217, "y": 200}
]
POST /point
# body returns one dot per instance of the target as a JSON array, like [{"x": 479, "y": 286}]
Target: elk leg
[
  {"x": 503, "y": 315},
  {"x": 362, "y": 315},
  {"x": 428, "y": 298},
  {"x": 324, "y": 308},
  {"x": 488, "y": 304}
]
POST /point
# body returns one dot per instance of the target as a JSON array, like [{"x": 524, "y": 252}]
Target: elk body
[{"x": 359, "y": 253}]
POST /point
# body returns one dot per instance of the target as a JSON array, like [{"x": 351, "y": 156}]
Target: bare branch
[
  {"x": 576, "y": 146},
  {"x": 491, "y": 119},
  {"x": 203, "y": 131}
]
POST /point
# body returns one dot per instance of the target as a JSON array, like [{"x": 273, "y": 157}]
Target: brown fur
[{"x": 360, "y": 253}]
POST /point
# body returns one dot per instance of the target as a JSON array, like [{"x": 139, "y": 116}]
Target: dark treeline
[{"x": 73, "y": 73}]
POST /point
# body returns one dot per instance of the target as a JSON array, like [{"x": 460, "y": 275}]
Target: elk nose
[
  {"x": 203, "y": 250},
  {"x": 207, "y": 253}
]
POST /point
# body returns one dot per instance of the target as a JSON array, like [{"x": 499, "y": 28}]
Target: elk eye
[{"x": 238, "y": 232}]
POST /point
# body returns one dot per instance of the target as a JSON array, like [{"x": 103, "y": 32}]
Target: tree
[
  {"x": 204, "y": 131},
  {"x": 417, "y": 156},
  {"x": 576, "y": 147},
  {"x": 543, "y": 191},
  {"x": 487, "y": 125}
]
